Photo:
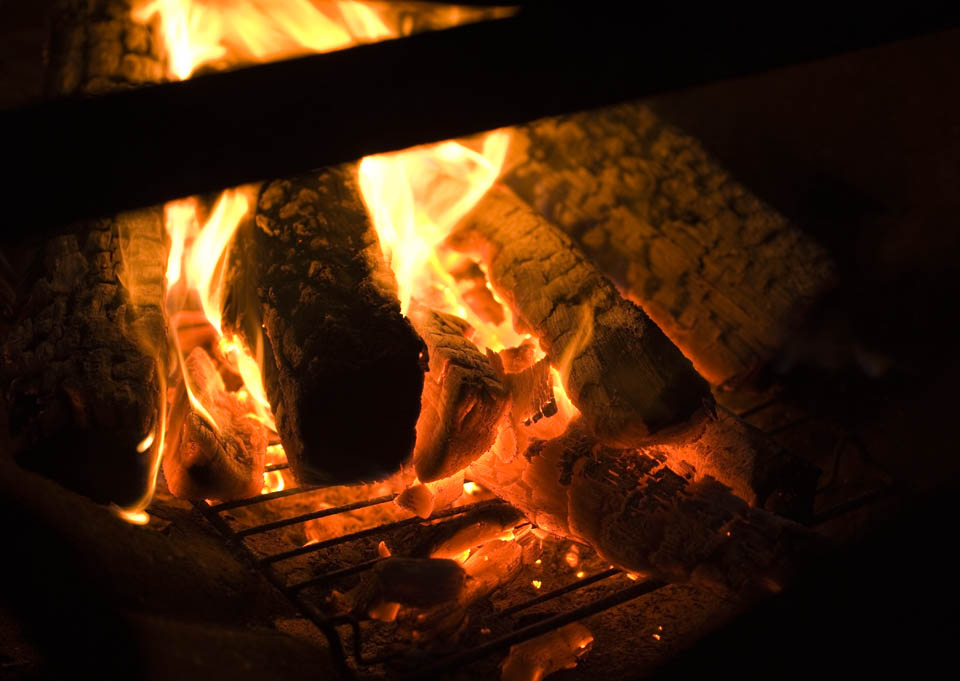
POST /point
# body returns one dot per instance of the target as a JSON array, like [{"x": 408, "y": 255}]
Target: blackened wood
[
  {"x": 644, "y": 517},
  {"x": 550, "y": 59},
  {"x": 85, "y": 360},
  {"x": 725, "y": 276},
  {"x": 343, "y": 368},
  {"x": 619, "y": 369},
  {"x": 463, "y": 397}
]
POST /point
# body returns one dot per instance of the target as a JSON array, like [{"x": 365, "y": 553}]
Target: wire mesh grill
[{"x": 351, "y": 639}]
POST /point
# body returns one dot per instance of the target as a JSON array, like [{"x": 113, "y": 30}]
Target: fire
[
  {"x": 198, "y": 32},
  {"x": 415, "y": 197}
]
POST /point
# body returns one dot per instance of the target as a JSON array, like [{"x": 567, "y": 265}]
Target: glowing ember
[{"x": 537, "y": 583}]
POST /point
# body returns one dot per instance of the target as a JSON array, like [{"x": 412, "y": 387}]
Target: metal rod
[
  {"x": 141, "y": 147},
  {"x": 389, "y": 527},
  {"x": 270, "y": 467},
  {"x": 334, "y": 575},
  {"x": 536, "y": 629},
  {"x": 337, "y": 653},
  {"x": 261, "y": 498},
  {"x": 323, "y": 513},
  {"x": 550, "y": 595}
]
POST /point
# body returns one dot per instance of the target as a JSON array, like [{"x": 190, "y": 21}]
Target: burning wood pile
[{"x": 473, "y": 310}]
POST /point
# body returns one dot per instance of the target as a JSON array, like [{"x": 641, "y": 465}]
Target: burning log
[
  {"x": 342, "y": 367},
  {"x": 463, "y": 398},
  {"x": 724, "y": 275},
  {"x": 83, "y": 364},
  {"x": 626, "y": 378},
  {"x": 644, "y": 517},
  {"x": 631, "y": 384},
  {"x": 205, "y": 461},
  {"x": 541, "y": 656}
]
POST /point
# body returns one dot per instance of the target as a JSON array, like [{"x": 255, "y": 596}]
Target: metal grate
[{"x": 346, "y": 634}]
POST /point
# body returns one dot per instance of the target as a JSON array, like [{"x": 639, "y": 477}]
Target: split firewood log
[
  {"x": 632, "y": 386},
  {"x": 723, "y": 274},
  {"x": 84, "y": 362},
  {"x": 627, "y": 379},
  {"x": 205, "y": 461},
  {"x": 644, "y": 517},
  {"x": 343, "y": 369},
  {"x": 463, "y": 397}
]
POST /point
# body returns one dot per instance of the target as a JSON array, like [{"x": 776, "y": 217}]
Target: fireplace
[{"x": 593, "y": 214}]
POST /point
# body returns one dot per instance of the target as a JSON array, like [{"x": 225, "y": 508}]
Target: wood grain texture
[
  {"x": 343, "y": 368},
  {"x": 723, "y": 274}
]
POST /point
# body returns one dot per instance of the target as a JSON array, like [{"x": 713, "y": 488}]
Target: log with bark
[
  {"x": 463, "y": 397},
  {"x": 627, "y": 379},
  {"x": 632, "y": 386},
  {"x": 343, "y": 369},
  {"x": 206, "y": 461},
  {"x": 84, "y": 361},
  {"x": 723, "y": 274},
  {"x": 644, "y": 517}
]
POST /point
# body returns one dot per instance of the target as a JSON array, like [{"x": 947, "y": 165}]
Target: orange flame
[
  {"x": 415, "y": 198},
  {"x": 198, "y": 32}
]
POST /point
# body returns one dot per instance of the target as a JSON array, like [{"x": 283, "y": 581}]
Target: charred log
[
  {"x": 342, "y": 366},
  {"x": 723, "y": 274},
  {"x": 84, "y": 362},
  {"x": 630, "y": 383},
  {"x": 463, "y": 398},
  {"x": 624, "y": 375},
  {"x": 204, "y": 461},
  {"x": 644, "y": 517}
]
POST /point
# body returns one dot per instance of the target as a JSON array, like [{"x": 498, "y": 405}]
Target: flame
[
  {"x": 198, "y": 32},
  {"x": 415, "y": 197}
]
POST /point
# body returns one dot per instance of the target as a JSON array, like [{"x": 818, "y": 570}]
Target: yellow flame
[
  {"x": 198, "y": 32},
  {"x": 415, "y": 198}
]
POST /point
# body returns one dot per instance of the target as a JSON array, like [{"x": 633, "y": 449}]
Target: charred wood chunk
[
  {"x": 541, "y": 656},
  {"x": 205, "y": 461},
  {"x": 463, "y": 397},
  {"x": 646, "y": 518},
  {"x": 623, "y": 374},
  {"x": 723, "y": 274},
  {"x": 408, "y": 582},
  {"x": 531, "y": 392},
  {"x": 753, "y": 465},
  {"x": 342, "y": 367},
  {"x": 451, "y": 538},
  {"x": 95, "y": 46},
  {"x": 84, "y": 361}
]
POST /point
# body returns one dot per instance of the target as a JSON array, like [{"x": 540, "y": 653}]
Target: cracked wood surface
[
  {"x": 85, "y": 360},
  {"x": 644, "y": 516},
  {"x": 723, "y": 274},
  {"x": 624, "y": 375},
  {"x": 342, "y": 366},
  {"x": 463, "y": 398}
]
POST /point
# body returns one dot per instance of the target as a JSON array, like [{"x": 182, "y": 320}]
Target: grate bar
[
  {"x": 550, "y": 595},
  {"x": 337, "y": 654},
  {"x": 313, "y": 515},
  {"x": 335, "y": 574},
  {"x": 260, "y": 498},
  {"x": 534, "y": 630},
  {"x": 389, "y": 527},
  {"x": 271, "y": 467}
]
